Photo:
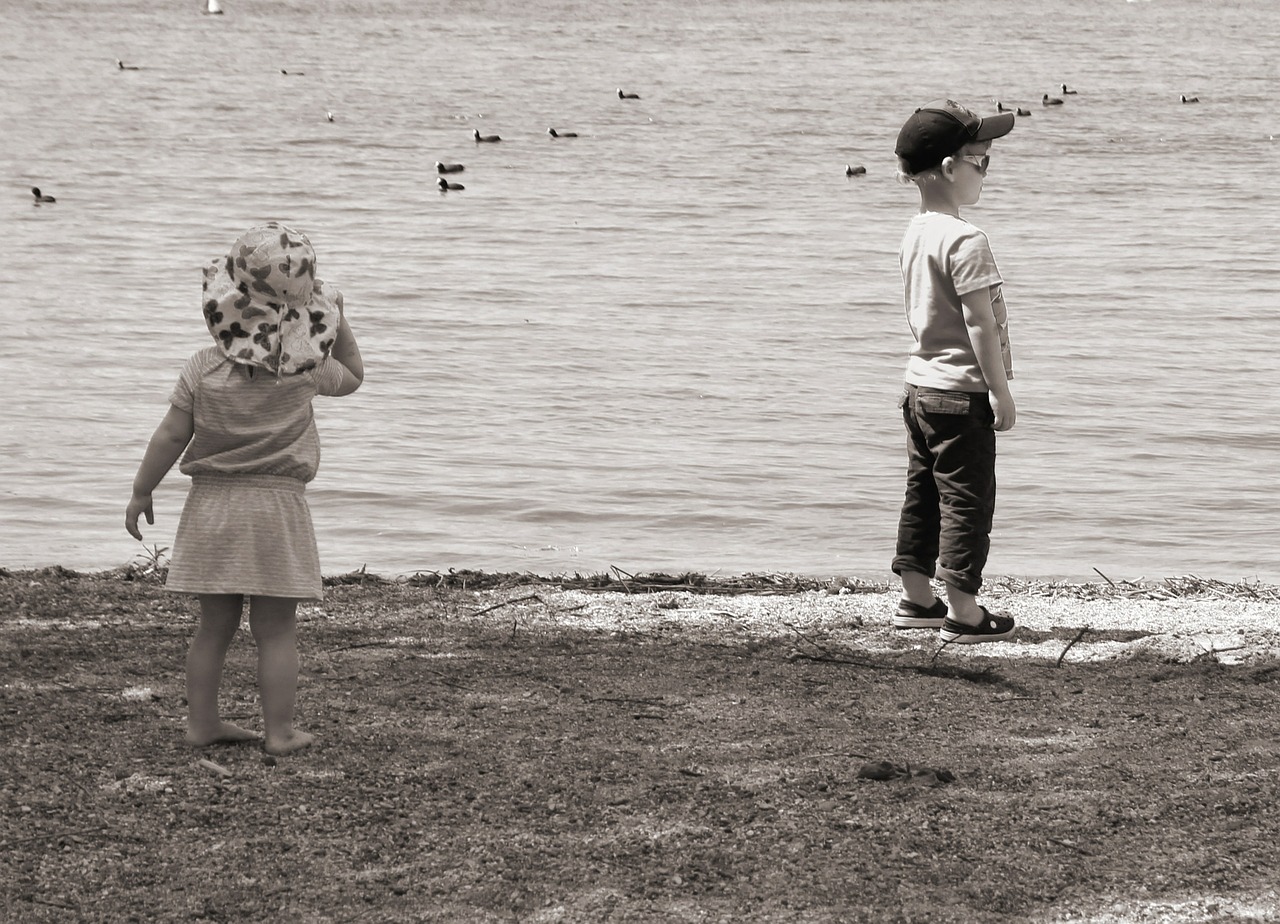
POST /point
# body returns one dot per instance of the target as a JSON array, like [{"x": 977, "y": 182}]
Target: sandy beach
[
  {"x": 1179, "y": 619},
  {"x": 648, "y": 748}
]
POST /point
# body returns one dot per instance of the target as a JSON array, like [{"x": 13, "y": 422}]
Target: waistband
[
  {"x": 943, "y": 391},
  {"x": 269, "y": 482}
]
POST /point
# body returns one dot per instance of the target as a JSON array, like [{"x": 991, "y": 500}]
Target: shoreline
[
  {"x": 1176, "y": 619},
  {"x": 716, "y": 583}
]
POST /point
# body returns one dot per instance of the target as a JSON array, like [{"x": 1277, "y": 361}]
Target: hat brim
[
  {"x": 994, "y": 126},
  {"x": 252, "y": 332}
]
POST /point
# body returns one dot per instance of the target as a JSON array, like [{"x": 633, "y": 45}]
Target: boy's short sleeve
[
  {"x": 973, "y": 267},
  {"x": 328, "y": 376}
]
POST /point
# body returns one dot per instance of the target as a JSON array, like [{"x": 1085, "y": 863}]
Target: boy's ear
[{"x": 947, "y": 169}]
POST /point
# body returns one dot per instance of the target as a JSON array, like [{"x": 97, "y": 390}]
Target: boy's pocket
[{"x": 943, "y": 402}]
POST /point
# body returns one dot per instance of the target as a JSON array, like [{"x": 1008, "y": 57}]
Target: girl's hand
[
  {"x": 167, "y": 443},
  {"x": 138, "y": 504}
]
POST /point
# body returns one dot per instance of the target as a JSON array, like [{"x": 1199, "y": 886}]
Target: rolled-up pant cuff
[
  {"x": 905, "y": 563},
  {"x": 960, "y": 581},
  {"x": 957, "y": 579}
]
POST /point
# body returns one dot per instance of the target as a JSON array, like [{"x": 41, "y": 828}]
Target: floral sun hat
[{"x": 264, "y": 304}]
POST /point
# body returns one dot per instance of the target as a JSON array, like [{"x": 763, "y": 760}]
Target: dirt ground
[{"x": 526, "y": 751}]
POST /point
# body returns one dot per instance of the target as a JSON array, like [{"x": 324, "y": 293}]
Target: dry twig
[
  {"x": 1079, "y": 635},
  {"x": 806, "y": 638},
  {"x": 496, "y": 606},
  {"x": 1076, "y": 847}
]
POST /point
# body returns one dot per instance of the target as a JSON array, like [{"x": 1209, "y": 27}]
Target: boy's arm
[
  {"x": 985, "y": 337},
  {"x": 347, "y": 352},
  {"x": 167, "y": 443}
]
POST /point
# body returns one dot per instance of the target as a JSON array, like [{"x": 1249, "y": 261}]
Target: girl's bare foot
[
  {"x": 222, "y": 733},
  {"x": 295, "y": 741}
]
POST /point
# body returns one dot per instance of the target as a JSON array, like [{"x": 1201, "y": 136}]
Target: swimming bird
[
  {"x": 39, "y": 197},
  {"x": 1001, "y": 107},
  {"x": 555, "y": 134},
  {"x": 328, "y": 115},
  {"x": 622, "y": 95},
  {"x": 449, "y": 168},
  {"x": 1022, "y": 112},
  {"x": 1051, "y": 100},
  {"x": 854, "y": 171},
  {"x": 446, "y": 185},
  {"x": 484, "y": 138},
  {"x": 126, "y": 67},
  {"x": 294, "y": 74},
  {"x": 1190, "y": 99},
  {"x": 1066, "y": 92}
]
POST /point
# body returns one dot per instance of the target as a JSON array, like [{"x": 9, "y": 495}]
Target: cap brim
[{"x": 994, "y": 126}]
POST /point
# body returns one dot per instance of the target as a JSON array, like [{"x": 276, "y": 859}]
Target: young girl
[{"x": 242, "y": 411}]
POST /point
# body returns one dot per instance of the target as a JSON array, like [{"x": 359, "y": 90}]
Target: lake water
[{"x": 674, "y": 342}]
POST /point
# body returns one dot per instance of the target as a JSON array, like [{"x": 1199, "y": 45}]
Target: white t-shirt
[{"x": 942, "y": 258}]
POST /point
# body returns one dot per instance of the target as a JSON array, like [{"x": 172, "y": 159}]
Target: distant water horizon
[{"x": 673, "y": 343}]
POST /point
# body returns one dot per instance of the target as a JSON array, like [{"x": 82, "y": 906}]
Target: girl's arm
[
  {"x": 347, "y": 352},
  {"x": 167, "y": 443},
  {"x": 985, "y": 337}
]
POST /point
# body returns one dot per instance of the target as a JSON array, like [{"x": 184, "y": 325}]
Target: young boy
[{"x": 957, "y": 381}]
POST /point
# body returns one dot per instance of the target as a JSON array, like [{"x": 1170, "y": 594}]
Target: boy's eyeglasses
[{"x": 978, "y": 160}]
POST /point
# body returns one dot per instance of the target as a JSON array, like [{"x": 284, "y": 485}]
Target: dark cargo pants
[{"x": 945, "y": 527}]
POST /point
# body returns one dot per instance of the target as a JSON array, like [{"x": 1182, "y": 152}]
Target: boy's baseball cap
[{"x": 939, "y": 129}]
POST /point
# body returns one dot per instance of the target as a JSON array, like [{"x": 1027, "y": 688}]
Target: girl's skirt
[{"x": 246, "y": 534}]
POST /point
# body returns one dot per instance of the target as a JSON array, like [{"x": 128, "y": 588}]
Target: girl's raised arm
[{"x": 347, "y": 352}]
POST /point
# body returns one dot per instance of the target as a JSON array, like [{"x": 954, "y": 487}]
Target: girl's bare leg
[
  {"x": 274, "y": 623},
  {"x": 219, "y": 620}
]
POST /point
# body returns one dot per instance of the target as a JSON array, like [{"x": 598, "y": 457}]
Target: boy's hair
[{"x": 938, "y": 130}]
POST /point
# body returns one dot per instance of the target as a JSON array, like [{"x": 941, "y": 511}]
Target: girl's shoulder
[
  {"x": 210, "y": 357},
  {"x": 202, "y": 362}
]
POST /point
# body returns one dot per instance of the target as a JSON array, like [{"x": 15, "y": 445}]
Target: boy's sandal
[
  {"x": 994, "y": 627},
  {"x": 914, "y": 616}
]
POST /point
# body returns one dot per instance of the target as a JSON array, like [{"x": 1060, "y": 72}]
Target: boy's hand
[
  {"x": 138, "y": 504},
  {"x": 1005, "y": 410}
]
